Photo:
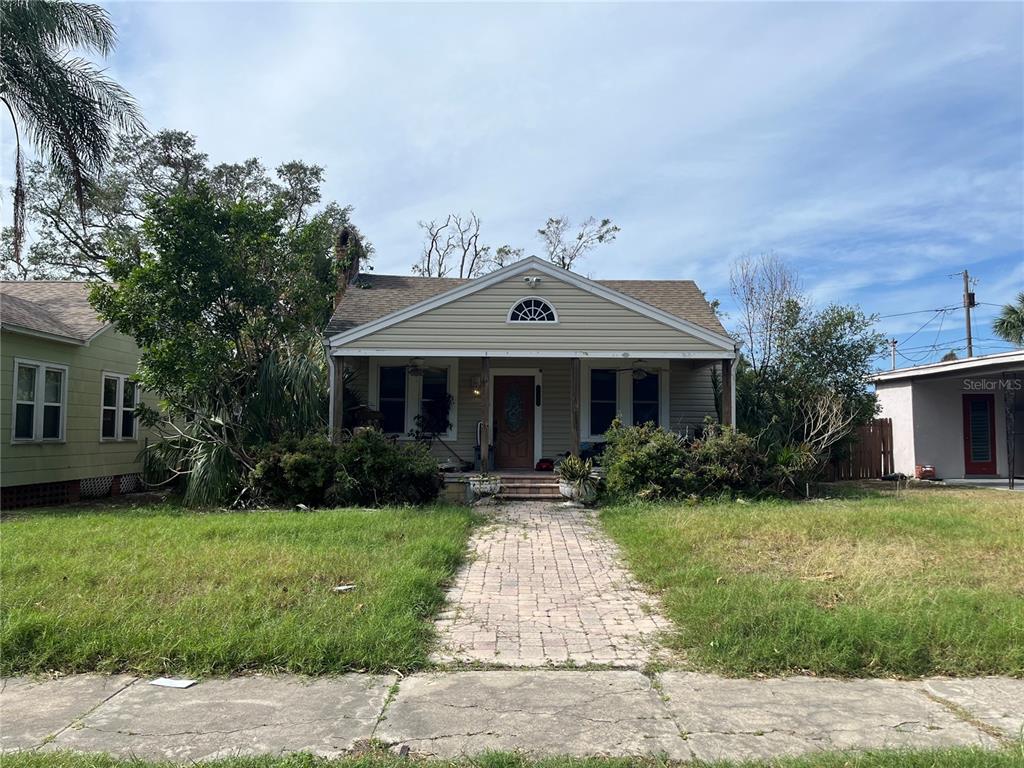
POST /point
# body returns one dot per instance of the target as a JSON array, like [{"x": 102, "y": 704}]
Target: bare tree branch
[
  {"x": 564, "y": 249},
  {"x": 764, "y": 288},
  {"x": 453, "y": 244}
]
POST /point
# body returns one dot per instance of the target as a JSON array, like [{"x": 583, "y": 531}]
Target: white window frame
[
  {"x": 122, "y": 380},
  {"x": 38, "y": 404},
  {"x": 517, "y": 302},
  {"x": 414, "y": 391},
  {"x": 623, "y": 393}
]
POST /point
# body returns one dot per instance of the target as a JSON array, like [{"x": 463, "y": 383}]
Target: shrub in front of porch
[
  {"x": 370, "y": 469},
  {"x": 649, "y": 462}
]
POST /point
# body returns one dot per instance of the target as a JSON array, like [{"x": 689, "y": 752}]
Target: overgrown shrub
[
  {"x": 370, "y": 469},
  {"x": 644, "y": 461},
  {"x": 724, "y": 461},
  {"x": 649, "y": 462}
]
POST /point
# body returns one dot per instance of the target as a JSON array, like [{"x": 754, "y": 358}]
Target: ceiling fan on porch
[{"x": 639, "y": 372}]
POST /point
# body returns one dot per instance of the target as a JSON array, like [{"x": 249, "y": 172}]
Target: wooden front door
[
  {"x": 979, "y": 435},
  {"x": 513, "y": 422}
]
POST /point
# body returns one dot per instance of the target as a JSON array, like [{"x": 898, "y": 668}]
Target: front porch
[{"x": 507, "y": 414}]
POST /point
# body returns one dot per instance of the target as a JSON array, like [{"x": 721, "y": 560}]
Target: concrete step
[{"x": 527, "y": 492}]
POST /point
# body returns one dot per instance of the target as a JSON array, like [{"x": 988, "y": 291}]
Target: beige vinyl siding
[
  {"x": 554, "y": 393},
  {"x": 585, "y": 321},
  {"x": 691, "y": 395},
  {"x": 82, "y": 454},
  {"x": 690, "y": 392}
]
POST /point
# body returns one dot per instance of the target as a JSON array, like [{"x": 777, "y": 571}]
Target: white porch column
[
  {"x": 728, "y": 393},
  {"x": 574, "y": 405},
  {"x": 485, "y": 414},
  {"x": 337, "y": 397}
]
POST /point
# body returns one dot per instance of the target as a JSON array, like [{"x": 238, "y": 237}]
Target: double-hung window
[
  {"x": 603, "y": 403},
  {"x": 40, "y": 400},
  {"x": 120, "y": 398},
  {"x": 637, "y": 395},
  {"x": 646, "y": 401},
  {"x": 392, "y": 398},
  {"x": 405, "y": 392}
]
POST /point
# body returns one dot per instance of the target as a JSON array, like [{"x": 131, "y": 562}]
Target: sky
[{"x": 876, "y": 148}]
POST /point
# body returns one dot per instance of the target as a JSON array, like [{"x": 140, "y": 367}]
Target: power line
[
  {"x": 917, "y": 312},
  {"x": 927, "y": 322}
]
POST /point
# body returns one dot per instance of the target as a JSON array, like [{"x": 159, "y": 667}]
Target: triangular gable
[{"x": 535, "y": 265}]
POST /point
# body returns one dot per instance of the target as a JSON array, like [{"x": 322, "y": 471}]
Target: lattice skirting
[{"x": 69, "y": 491}]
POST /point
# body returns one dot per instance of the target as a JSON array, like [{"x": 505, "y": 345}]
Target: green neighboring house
[{"x": 67, "y": 403}]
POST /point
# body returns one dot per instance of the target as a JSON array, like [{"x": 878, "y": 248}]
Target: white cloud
[{"x": 876, "y": 146}]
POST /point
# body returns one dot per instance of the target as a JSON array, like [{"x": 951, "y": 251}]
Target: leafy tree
[
  {"x": 1010, "y": 323},
  {"x": 801, "y": 378},
  {"x": 226, "y": 299},
  {"x": 69, "y": 109},
  {"x": 73, "y": 242}
]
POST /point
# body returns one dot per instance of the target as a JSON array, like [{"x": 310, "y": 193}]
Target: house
[
  {"x": 537, "y": 360},
  {"x": 67, "y": 404},
  {"x": 964, "y": 417}
]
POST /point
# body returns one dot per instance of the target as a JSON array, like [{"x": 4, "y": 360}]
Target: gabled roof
[
  {"x": 373, "y": 297},
  {"x": 1001, "y": 361},
  {"x": 54, "y": 308}
]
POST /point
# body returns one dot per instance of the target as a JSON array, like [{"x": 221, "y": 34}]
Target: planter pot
[
  {"x": 576, "y": 493},
  {"x": 485, "y": 486}
]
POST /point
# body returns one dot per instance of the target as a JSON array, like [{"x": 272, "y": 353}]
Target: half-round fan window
[{"x": 532, "y": 310}]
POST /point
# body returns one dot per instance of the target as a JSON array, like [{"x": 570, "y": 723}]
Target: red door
[
  {"x": 513, "y": 422},
  {"x": 979, "y": 435}
]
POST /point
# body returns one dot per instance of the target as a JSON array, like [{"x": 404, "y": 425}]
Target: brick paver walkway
[{"x": 544, "y": 586}]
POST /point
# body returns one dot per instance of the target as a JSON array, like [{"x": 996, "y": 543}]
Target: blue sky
[{"x": 876, "y": 147}]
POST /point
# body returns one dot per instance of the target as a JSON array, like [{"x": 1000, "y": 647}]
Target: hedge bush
[
  {"x": 370, "y": 469},
  {"x": 644, "y": 461},
  {"x": 649, "y": 462}
]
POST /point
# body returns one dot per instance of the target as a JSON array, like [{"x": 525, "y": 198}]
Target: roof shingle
[{"x": 58, "y": 307}]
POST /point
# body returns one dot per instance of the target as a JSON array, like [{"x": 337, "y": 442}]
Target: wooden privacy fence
[{"x": 870, "y": 454}]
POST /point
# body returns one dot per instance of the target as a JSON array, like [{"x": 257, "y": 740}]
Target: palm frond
[
  {"x": 68, "y": 107},
  {"x": 1010, "y": 323},
  {"x": 60, "y": 24}
]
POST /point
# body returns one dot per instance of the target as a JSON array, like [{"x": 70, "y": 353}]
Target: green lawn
[
  {"x": 163, "y": 590},
  {"x": 931, "y": 582},
  {"x": 946, "y": 758}
]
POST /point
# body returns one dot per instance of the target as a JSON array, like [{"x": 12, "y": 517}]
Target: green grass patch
[
  {"x": 945, "y": 758},
  {"x": 931, "y": 582},
  {"x": 159, "y": 589}
]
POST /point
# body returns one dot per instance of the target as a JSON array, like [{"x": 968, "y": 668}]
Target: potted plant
[
  {"x": 485, "y": 484},
  {"x": 577, "y": 480}
]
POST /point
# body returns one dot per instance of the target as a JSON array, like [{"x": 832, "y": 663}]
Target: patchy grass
[
  {"x": 163, "y": 590},
  {"x": 945, "y": 758},
  {"x": 931, "y": 582}
]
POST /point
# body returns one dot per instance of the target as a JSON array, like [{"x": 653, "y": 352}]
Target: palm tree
[
  {"x": 67, "y": 107},
  {"x": 1010, "y": 323}
]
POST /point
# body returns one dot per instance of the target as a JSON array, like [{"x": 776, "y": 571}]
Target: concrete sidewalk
[{"x": 679, "y": 715}]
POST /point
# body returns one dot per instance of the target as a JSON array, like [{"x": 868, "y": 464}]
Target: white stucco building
[{"x": 954, "y": 415}]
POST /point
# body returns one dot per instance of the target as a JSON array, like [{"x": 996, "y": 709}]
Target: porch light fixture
[{"x": 476, "y": 386}]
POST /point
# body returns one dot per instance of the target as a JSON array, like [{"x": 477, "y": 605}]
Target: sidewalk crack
[{"x": 79, "y": 718}]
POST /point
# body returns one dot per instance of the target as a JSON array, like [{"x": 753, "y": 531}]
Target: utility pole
[
  {"x": 892, "y": 344},
  {"x": 968, "y": 303}
]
